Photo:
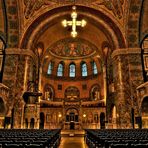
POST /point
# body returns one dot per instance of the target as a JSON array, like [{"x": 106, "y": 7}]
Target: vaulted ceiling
[{"x": 27, "y": 22}]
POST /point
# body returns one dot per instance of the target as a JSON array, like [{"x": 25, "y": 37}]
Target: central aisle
[
  {"x": 72, "y": 139},
  {"x": 72, "y": 142}
]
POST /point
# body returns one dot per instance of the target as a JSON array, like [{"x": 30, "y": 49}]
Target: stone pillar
[
  {"x": 127, "y": 76},
  {"x": 37, "y": 116},
  {"x": 15, "y": 76},
  {"x": 28, "y": 71},
  {"x": 105, "y": 83}
]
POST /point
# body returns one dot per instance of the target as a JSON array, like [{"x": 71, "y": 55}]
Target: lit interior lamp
[
  {"x": 60, "y": 115},
  {"x": 74, "y": 22},
  {"x": 84, "y": 115}
]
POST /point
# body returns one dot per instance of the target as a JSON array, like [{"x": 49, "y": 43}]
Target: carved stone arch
[
  {"x": 111, "y": 29},
  {"x": 72, "y": 109}
]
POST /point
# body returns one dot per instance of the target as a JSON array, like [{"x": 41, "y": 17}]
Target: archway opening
[
  {"x": 26, "y": 123},
  {"x": 72, "y": 118},
  {"x": 32, "y": 123},
  {"x": 102, "y": 120},
  {"x": 42, "y": 117},
  {"x": 144, "y": 109},
  {"x": 2, "y": 107}
]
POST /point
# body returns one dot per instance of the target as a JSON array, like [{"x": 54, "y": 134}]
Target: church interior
[{"x": 73, "y": 65}]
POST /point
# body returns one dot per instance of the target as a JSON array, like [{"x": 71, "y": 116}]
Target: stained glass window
[
  {"x": 60, "y": 70},
  {"x": 95, "y": 71},
  {"x": 84, "y": 70},
  {"x": 72, "y": 70},
  {"x": 50, "y": 67}
]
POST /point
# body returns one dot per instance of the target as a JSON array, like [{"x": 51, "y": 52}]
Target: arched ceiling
[
  {"x": 21, "y": 15},
  {"x": 98, "y": 26}
]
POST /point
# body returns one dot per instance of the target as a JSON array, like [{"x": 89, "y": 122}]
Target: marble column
[{"x": 127, "y": 76}]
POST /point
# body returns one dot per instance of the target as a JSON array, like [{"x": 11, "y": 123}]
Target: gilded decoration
[
  {"x": 33, "y": 5},
  {"x": 72, "y": 48},
  {"x": 115, "y": 6}
]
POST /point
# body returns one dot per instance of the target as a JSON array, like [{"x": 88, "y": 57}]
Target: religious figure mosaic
[{"x": 72, "y": 48}]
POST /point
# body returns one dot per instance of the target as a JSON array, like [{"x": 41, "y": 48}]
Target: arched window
[
  {"x": 60, "y": 70},
  {"x": 84, "y": 69},
  {"x": 72, "y": 70},
  {"x": 94, "y": 67},
  {"x": 50, "y": 68}
]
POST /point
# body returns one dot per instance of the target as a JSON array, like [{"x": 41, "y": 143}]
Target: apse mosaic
[{"x": 72, "y": 48}]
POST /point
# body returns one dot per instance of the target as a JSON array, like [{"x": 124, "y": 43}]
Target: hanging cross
[{"x": 74, "y": 22}]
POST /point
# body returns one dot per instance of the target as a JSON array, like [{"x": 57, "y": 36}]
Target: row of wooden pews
[
  {"x": 116, "y": 138},
  {"x": 29, "y": 138}
]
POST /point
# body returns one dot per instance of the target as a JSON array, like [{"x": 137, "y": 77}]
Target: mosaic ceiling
[{"x": 72, "y": 48}]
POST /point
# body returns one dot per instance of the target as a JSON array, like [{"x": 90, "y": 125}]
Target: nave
[
  {"x": 73, "y": 142},
  {"x": 90, "y": 138}
]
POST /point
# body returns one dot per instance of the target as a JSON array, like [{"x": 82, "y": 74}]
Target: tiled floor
[{"x": 72, "y": 142}]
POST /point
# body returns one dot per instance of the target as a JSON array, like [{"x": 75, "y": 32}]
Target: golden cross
[{"x": 74, "y": 22}]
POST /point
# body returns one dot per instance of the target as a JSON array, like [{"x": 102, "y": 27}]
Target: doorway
[
  {"x": 42, "y": 117},
  {"x": 102, "y": 120},
  {"x": 72, "y": 119},
  {"x": 72, "y": 125},
  {"x": 144, "y": 109}
]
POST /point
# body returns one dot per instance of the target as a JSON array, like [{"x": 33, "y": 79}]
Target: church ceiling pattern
[
  {"x": 114, "y": 6},
  {"x": 72, "y": 48}
]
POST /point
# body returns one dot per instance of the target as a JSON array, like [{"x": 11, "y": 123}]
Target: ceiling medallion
[{"x": 74, "y": 23}]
